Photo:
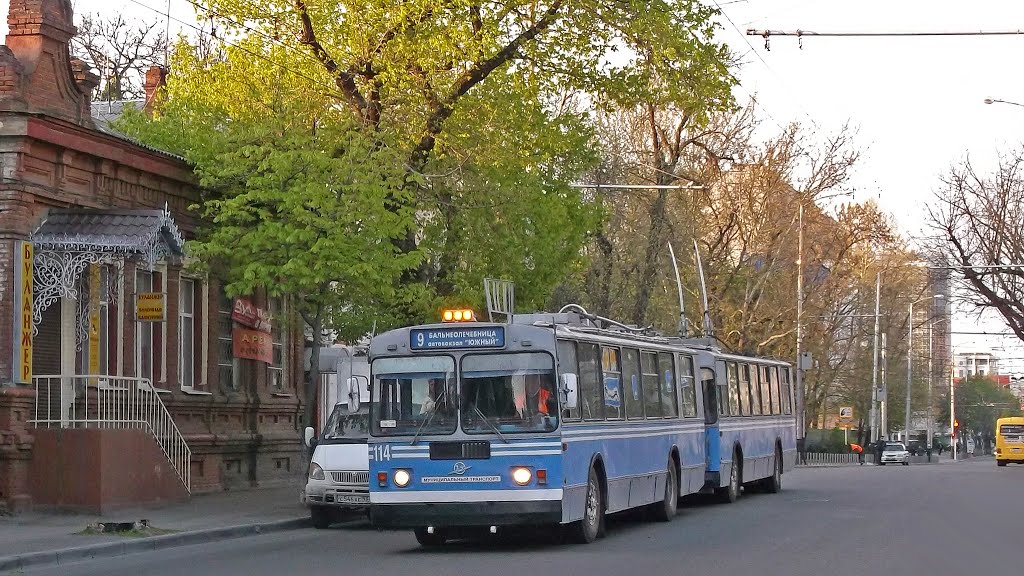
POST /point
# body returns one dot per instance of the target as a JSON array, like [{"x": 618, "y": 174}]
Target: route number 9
[{"x": 419, "y": 339}]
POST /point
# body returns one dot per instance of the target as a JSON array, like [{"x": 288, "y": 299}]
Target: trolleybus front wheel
[
  {"x": 731, "y": 493},
  {"x": 587, "y": 530}
]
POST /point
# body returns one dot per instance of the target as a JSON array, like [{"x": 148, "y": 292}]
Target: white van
[{"x": 338, "y": 479}]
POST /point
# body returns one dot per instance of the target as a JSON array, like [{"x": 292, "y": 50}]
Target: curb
[{"x": 148, "y": 544}]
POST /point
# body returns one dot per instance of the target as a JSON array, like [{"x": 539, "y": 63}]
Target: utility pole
[
  {"x": 885, "y": 394},
  {"x": 952, "y": 411},
  {"x": 931, "y": 370},
  {"x": 874, "y": 362},
  {"x": 910, "y": 369},
  {"x": 800, "y": 428}
]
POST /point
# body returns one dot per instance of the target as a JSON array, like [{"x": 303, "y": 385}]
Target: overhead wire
[{"x": 769, "y": 68}]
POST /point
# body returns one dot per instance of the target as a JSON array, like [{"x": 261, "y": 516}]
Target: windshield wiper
[
  {"x": 491, "y": 424},
  {"x": 443, "y": 396}
]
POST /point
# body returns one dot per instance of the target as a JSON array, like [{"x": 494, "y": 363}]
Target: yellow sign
[
  {"x": 95, "y": 285},
  {"x": 23, "y": 333},
  {"x": 150, "y": 306}
]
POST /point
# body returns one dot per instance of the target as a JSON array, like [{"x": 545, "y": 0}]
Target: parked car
[
  {"x": 895, "y": 453},
  {"x": 338, "y": 479}
]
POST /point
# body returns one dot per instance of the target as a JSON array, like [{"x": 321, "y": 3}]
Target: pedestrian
[
  {"x": 879, "y": 448},
  {"x": 941, "y": 446},
  {"x": 860, "y": 452}
]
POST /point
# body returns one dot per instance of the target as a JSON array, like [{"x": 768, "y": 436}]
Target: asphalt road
[{"x": 965, "y": 518}]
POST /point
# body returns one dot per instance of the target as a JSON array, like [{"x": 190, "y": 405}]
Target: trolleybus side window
[
  {"x": 667, "y": 376},
  {"x": 632, "y": 387},
  {"x": 776, "y": 398},
  {"x": 766, "y": 391},
  {"x": 611, "y": 371},
  {"x": 652, "y": 391},
  {"x": 787, "y": 407},
  {"x": 722, "y": 395},
  {"x": 755, "y": 391},
  {"x": 734, "y": 388},
  {"x": 744, "y": 389},
  {"x": 591, "y": 388},
  {"x": 708, "y": 384},
  {"x": 687, "y": 387},
  {"x": 567, "y": 365}
]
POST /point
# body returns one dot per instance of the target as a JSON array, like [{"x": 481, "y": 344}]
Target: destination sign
[{"x": 457, "y": 337}]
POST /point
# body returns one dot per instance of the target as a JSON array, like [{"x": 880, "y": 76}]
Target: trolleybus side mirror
[
  {"x": 308, "y": 436},
  {"x": 570, "y": 391},
  {"x": 353, "y": 395}
]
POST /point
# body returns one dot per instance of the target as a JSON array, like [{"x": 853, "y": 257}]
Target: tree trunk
[
  {"x": 649, "y": 267},
  {"x": 313, "y": 384}
]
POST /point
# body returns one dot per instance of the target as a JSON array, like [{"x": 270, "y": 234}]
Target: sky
[{"x": 917, "y": 103}]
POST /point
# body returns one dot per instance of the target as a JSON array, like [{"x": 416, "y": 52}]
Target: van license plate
[{"x": 352, "y": 498}]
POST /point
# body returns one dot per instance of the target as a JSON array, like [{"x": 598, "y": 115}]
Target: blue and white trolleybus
[{"x": 560, "y": 419}]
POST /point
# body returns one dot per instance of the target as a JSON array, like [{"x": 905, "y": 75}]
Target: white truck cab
[{"x": 338, "y": 478}]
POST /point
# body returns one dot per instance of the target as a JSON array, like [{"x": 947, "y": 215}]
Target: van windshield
[{"x": 344, "y": 427}]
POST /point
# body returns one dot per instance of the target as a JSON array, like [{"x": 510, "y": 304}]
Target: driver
[{"x": 537, "y": 397}]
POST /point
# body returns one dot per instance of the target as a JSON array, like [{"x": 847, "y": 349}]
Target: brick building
[{"x": 124, "y": 378}]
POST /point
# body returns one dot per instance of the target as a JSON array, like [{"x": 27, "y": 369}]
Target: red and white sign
[{"x": 249, "y": 315}]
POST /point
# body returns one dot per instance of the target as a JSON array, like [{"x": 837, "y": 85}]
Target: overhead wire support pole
[{"x": 800, "y": 427}]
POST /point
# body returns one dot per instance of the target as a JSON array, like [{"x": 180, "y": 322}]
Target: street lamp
[
  {"x": 996, "y": 100},
  {"x": 910, "y": 364}
]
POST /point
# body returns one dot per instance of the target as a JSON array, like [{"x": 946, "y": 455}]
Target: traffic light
[{"x": 956, "y": 427}]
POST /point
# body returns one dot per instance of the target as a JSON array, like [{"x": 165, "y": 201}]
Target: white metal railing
[
  {"x": 111, "y": 402},
  {"x": 826, "y": 459}
]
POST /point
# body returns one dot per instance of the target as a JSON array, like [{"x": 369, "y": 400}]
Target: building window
[
  {"x": 275, "y": 370},
  {"x": 190, "y": 343},
  {"x": 227, "y": 372}
]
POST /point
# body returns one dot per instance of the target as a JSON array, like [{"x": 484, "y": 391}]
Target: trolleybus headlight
[
  {"x": 402, "y": 478},
  {"x": 521, "y": 476}
]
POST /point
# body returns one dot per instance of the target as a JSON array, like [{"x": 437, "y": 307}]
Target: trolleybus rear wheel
[
  {"x": 773, "y": 483},
  {"x": 665, "y": 511}
]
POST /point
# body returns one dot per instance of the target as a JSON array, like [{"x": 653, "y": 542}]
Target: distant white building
[{"x": 971, "y": 363}]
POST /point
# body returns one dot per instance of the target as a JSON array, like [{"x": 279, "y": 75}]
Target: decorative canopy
[
  {"x": 142, "y": 232},
  {"x": 71, "y": 239}
]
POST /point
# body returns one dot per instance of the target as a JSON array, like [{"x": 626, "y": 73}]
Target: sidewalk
[{"x": 34, "y": 538}]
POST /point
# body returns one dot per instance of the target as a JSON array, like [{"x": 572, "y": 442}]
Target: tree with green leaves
[
  {"x": 466, "y": 122},
  {"x": 298, "y": 202},
  {"x": 479, "y": 97}
]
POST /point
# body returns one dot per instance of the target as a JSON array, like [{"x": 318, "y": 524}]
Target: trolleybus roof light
[{"x": 458, "y": 315}]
